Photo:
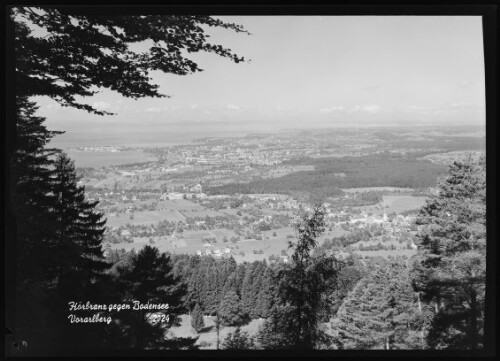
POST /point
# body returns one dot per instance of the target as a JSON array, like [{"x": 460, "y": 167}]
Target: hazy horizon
[{"x": 307, "y": 71}]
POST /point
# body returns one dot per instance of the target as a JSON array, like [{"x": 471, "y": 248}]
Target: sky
[{"x": 310, "y": 71}]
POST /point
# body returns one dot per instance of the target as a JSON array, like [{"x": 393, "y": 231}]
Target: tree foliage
[
  {"x": 67, "y": 53},
  {"x": 237, "y": 340},
  {"x": 229, "y": 309},
  {"x": 197, "y": 321},
  {"x": 450, "y": 268},
  {"x": 59, "y": 235},
  {"x": 150, "y": 279},
  {"x": 303, "y": 289},
  {"x": 382, "y": 312}
]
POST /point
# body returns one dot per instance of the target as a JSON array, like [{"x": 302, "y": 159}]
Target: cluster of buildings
[
  {"x": 216, "y": 252},
  {"x": 100, "y": 149}
]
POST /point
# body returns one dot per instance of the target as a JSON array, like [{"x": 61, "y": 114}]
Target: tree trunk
[
  {"x": 422, "y": 329},
  {"x": 217, "y": 325},
  {"x": 474, "y": 334}
]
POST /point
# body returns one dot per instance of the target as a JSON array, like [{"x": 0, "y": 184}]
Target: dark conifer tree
[
  {"x": 80, "y": 229},
  {"x": 229, "y": 309},
  {"x": 255, "y": 311},
  {"x": 248, "y": 291},
  {"x": 303, "y": 289},
  {"x": 381, "y": 312},
  {"x": 450, "y": 269},
  {"x": 266, "y": 294},
  {"x": 237, "y": 340},
  {"x": 150, "y": 279},
  {"x": 80, "y": 275},
  {"x": 197, "y": 321},
  {"x": 32, "y": 201}
]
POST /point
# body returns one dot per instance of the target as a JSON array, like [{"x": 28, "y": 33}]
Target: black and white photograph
[{"x": 198, "y": 181}]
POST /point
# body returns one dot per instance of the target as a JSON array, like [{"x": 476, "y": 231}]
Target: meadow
[
  {"x": 171, "y": 210},
  {"x": 242, "y": 251},
  {"x": 377, "y": 189},
  {"x": 395, "y": 204},
  {"x": 386, "y": 253}
]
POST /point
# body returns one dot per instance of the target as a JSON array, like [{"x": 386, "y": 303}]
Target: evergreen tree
[
  {"x": 229, "y": 309},
  {"x": 450, "y": 268},
  {"x": 197, "y": 321},
  {"x": 302, "y": 292},
  {"x": 255, "y": 310},
  {"x": 31, "y": 202},
  {"x": 59, "y": 256},
  {"x": 237, "y": 340},
  {"x": 381, "y": 312},
  {"x": 80, "y": 229},
  {"x": 211, "y": 294},
  {"x": 80, "y": 275},
  {"x": 150, "y": 279},
  {"x": 195, "y": 287},
  {"x": 266, "y": 294}
]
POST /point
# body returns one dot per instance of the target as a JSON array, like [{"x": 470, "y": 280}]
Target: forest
[{"x": 333, "y": 174}]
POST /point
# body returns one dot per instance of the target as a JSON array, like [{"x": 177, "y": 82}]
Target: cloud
[
  {"x": 370, "y": 108},
  {"x": 194, "y": 106},
  {"x": 233, "y": 107},
  {"x": 449, "y": 108},
  {"x": 101, "y": 105},
  {"x": 366, "y": 108},
  {"x": 332, "y": 109}
]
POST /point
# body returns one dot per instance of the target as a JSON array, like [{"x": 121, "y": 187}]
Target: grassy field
[
  {"x": 395, "y": 203},
  {"x": 172, "y": 211},
  {"x": 383, "y": 253},
  {"x": 400, "y": 204},
  {"x": 189, "y": 242},
  {"x": 378, "y": 189},
  {"x": 144, "y": 218}
]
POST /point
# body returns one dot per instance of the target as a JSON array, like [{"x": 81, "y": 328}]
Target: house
[
  {"x": 175, "y": 195},
  {"x": 125, "y": 233},
  {"x": 227, "y": 250},
  {"x": 196, "y": 188},
  {"x": 199, "y": 253}
]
